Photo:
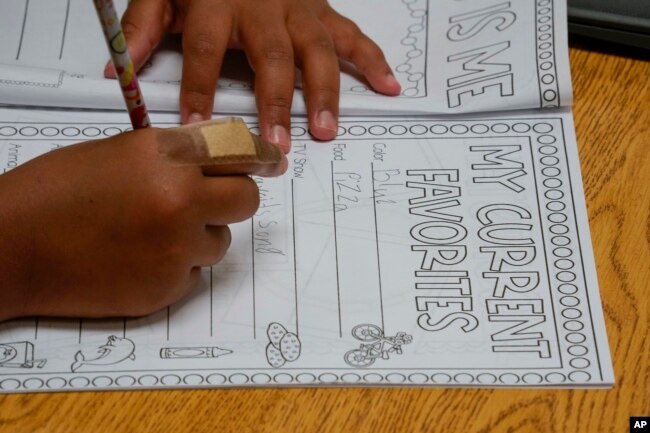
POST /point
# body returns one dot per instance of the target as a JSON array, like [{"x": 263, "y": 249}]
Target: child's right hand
[{"x": 115, "y": 227}]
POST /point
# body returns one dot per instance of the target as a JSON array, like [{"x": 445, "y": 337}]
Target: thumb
[
  {"x": 222, "y": 147},
  {"x": 144, "y": 23}
]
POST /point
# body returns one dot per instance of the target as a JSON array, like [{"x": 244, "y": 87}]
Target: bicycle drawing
[{"x": 374, "y": 345}]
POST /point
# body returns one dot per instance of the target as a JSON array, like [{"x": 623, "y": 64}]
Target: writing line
[
  {"x": 295, "y": 271},
  {"x": 22, "y": 31},
  {"x": 211, "y": 303},
  {"x": 374, "y": 208},
  {"x": 336, "y": 252},
  {"x": 253, "y": 270},
  {"x": 65, "y": 28}
]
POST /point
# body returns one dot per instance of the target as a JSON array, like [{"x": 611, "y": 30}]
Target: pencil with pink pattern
[{"x": 124, "y": 68}]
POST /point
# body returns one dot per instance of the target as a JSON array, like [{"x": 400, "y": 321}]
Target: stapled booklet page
[{"x": 437, "y": 241}]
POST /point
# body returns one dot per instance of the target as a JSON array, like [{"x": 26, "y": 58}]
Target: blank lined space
[{"x": 11, "y": 23}]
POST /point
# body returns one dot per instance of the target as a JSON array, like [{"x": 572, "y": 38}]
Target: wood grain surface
[{"x": 612, "y": 113}]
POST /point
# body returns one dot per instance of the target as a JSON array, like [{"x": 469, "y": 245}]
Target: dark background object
[{"x": 620, "y": 21}]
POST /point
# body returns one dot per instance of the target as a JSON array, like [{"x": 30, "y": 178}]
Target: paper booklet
[
  {"x": 417, "y": 248},
  {"x": 449, "y": 56}
]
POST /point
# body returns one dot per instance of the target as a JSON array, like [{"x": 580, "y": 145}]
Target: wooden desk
[{"x": 612, "y": 112}]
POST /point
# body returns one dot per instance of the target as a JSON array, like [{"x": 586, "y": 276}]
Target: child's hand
[
  {"x": 276, "y": 35},
  {"x": 116, "y": 226}
]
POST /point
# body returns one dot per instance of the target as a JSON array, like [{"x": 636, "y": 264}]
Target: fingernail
[
  {"x": 325, "y": 119},
  {"x": 392, "y": 81},
  {"x": 280, "y": 136},
  {"x": 109, "y": 72},
  {"x": 283, "y": 166},
  {"x": 194, "y": 118}
]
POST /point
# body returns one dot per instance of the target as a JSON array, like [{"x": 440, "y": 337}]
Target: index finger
[
  {"x": 206, "y": 33},
  {"x": 222, "y": 147}
]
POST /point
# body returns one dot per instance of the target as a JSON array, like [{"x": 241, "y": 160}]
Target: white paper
[
  {"x": 336, "y": 268},
  {"x": 449, "y": 56}
]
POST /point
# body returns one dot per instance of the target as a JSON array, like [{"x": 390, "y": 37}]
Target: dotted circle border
[
  {"x": 549, "y": 90},
  {"x": 561, "y": 261},
  {"x": 193, "y": 379}
]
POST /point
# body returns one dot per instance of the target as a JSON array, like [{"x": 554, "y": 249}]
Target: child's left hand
[{"x": 276, "y": 35}]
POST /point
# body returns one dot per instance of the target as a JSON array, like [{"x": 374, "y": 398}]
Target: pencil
[{"x": 124, "y": 68}]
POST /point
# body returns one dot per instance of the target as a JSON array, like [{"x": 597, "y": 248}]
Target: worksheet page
[
  {"x": 428, "y": 251},
  {"x": 449, "y": 56}
]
